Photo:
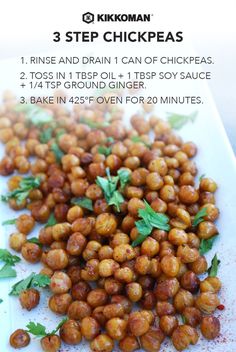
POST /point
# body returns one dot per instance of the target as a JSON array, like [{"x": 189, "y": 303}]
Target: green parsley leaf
[
  {"x": 7, "y": 271},
  {"x": 8, "y": 258},
  {"x": 206, "y": 245},
  {"x": 199, "y": 217},
  {"x": 138, "y": 139},
  {"x": 38, "y": 330},
  {"x": 201, "y": 177},
  {"x": 9, "y": 222},
  {"x": 35, "y": 114},
  {"x": 1, "y": 300},
  {"x": 53, "y": 332},
  {"x": 59, "y": 133},
  {"x": 57, "y": 152},
  {"x": 104, "y": 150},
  {"x": 33, "y": 280},
  {"x": 35, "y": 240},
  {"x": 94, "y": 124},
  {"x": 177, "y": 121},
  {"x": 150, "y": 220},
  {"x": 183, "y": 319},
  {"x": 124, "y": 176},
  {"x": 110, "y": 140},
  {"x": 83, "y": 202},
  {"x": 25, "y": 186},
  {"x": 212, "y": 271},
  {"x": 116, "y": 199},
  {"x": 51, "y": 221},
  {"x": 46, "y": 135}
]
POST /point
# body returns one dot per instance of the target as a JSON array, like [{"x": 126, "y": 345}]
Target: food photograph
[{"x": 117, "y": 204}]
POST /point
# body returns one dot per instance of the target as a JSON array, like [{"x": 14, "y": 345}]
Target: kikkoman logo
[{"x": 89, "y": 17}]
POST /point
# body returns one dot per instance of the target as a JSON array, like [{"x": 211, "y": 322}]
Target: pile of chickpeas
[{"x": 114, "y": 294}]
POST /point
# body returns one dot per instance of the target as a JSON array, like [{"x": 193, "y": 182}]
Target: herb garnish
[
  {"x": 183, "y": 319},
  {"x": 199, "y": 217},
  {"x": 83, "y": 202},
  {"x": 109, "y": 188},
  {"x": 94, "y": 124},
  {"x": 51, "y": 221},
  {"x": 138, "y": 139},
  {"x": 33, "y": 280},
  {"x": 9, "y": 222},
  {"x": 39, "y": 330},
  {"x": 178, "y": 120},
  {"x": 35, "y": 114},
  {"x": 35, "y": 240},
  {"x": 212, "y": 271},
  {"x": 104, "y": 150},
  {"x": 206, "y": 245},
  {"x": 22, "y": 192},
  {"x": 201, "y": 177},
  {"x": 150, "y": 220},
  {"x": 46, "y": 135},
  {"x": 7, "y": 271},
  {"x": 124, "y": 176},
  {"x": 57, "y": 152},
  {"x": 10, "y": 260}
]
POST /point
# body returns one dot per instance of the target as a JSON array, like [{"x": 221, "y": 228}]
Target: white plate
[{"x": 215, "y": 159}]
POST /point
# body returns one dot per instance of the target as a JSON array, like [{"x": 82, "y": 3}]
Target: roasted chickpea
[
  {"x": 170, "y": 265},
  {"x": 113, "y": 310},
  {"x": 107, "y": 267},
  {"x": 142, "y": 265},
  {"x": 178, "y": 237},
  {"x": 25, "y": 223},
  {"x": 184, "y": 335},
  {"x": 19, "y": 338},
  {"x": 29, "y": 299},
  {"x": 97, "y": 297},
  {"x": 80, "y": 291},
  {"x": 51, "y": 343},
  {"x": 150, "y": 247},
  {"x": 168, "y": 323},
  {"x": 125, "y": 275},
  {"x": 187, "y": 254},
  {"x": 17, "y": 240},
  {"x": 129, "y": 344},
  {"x": 106, "y": 224},
  {"x": 148, "y": 300},
  {"x": 134, "y": 291},
  {"x": 116, "y": 328},
  {"x": 154, "y": 181},
  {"x": 105, "y": 252},
  {"x": 61, "y": 232},
  {"x": 113, "y": 286},
  {"x": 57, "y": 259},
  {"x": 199, "y": 266},
  {"x": 74, "y": 213},
  {"x": 102, "y": 343},
  {"x": 189, "y": 281},
  {"x": 208, "y": 185},
  {"x": 207, "y": 302},
  {"x": 158, "y": 165},
  {"x": 123, "y": 252},
  {"x": 210, "y": 284},
  {"x": 134, "y": 205},
  {"x": 164, "y": 308},
  {"x": 206, "y": 229},
  {"x": 60, "y": 303},
  {"x": 125, "y": 302},
  {"x": 76, "y": 244},
  {"x": 182, "y": 299},
  {"x": 188, "y": 195},
  {"x": 152, "y": 339},
  {"x": 31, "y": 252},
  {"x": 70, "y": 332},
  {"x": 210, "y": 327},
  {"x": 192, "y": 316},
  {"x": 138, "y": 324},
  {"x": 166, "y": 289},
  {"x": 118, "y": 239},
  {"x": 89, "y": 328},
  {"x": 167, "y": 193},
  {"x": 60, "y": 282}
]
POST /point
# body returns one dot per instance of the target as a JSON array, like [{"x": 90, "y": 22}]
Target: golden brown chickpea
[
  {"x": 177, "y": 237},
  {"x": 51, "y": 343},
  {"x": 124, "y": 301},
  {"x": 79, "y": 310},
  {"x": 89, "y": 328},
  {"x": 57, "y": 259},
  {"x": 167, "y": 193},
  {"x": 46, "y": 271},
  {"x": 61, "y": 232},
  {"x": 206, "y": 198},
  {"x": 70, "y": 332},
  {"x": 134, "y": 205},
  {"x": 159, "y": 235},
  {"x": 74, "y": 213},
  {"x": 97, "y": 297},
  {"x": 207, "y": 302},
  {"x": 105, "y": 252},
  {"x": 210, "y": 284},
  {"x": 210, "y": 327},
  {"x": 91, "y": 250},
  {"x": 154, "y": 181},
  {"x": 79, "y": 187},
  {"x": 60, "y": 282},
  {"x": 134, "y": 291},
  {"x": 133, "y": 192},
  {"x": 206, "y": 229},
  {"x": 164, "y": 308},
  {"x": 192, "y": 316},
  {"x": 123, "y": 252},
  {"x": 125, "y": 275},
  {"x": 102, "y": 343},
  {"x": 116, "y": 328},
  {"x": 138, "y": 324},
  {"x": 107, "y": 267},
  {"x": 182, "y": 299},
  {"x": 6, "y": 166},
  {"x": 129, "y": 344},
  {"x": 76, "y": 244},
  {"x": 166, "y": 289},
  {"x": 60, "y": 303},
  {"x": 118, "y": 239},
  {"x": 6, "y": 134},
  {"x": 152, "y": 339},
  {"x": 113, "y": 286},
  {"x": 189, "y": 281},
  {"x": 148, "y": 300},
  {"x": 184, "y": 335},
  {"x": 142, "y": 265},
  {"x": 25, "y": 223},
  {"x": 158, "y": 165},
  {"x": 93, "y": 192},
  {"x": 190, "y": 149},
  {"x": 168, "y": 323},
  {"x": 40, "y": 213},
  {"x": 68, "y": 161},
  {"x": 106, "y": 224},
  {"x": 113, "y": 311},
  {"x": 31, "y": 252},
  {"x": 80, "y": 291},
  {"x": 208, "y": 185},
  {"x": 19, "y": 338},
  {"x": 187, "y": 254},
  {"x": 119, "y": 149},
  {"x": 212, "y": 212},
  {"x": 199, "y": 266},
  {"x": 17, "y": 240},
  {"x": 188, "y": 195},
  {"x": 58, "y": 245},
  {"x": 91, "y": 270},
  {"x": 13, "y": 204},
  {"x": 170, "y": 265},
  {"x": 67, "y": 141},
  {"x": 193, "y": 240},
  {"x": 150, "y": 247},
  {"x": 29, "y": 299}
]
